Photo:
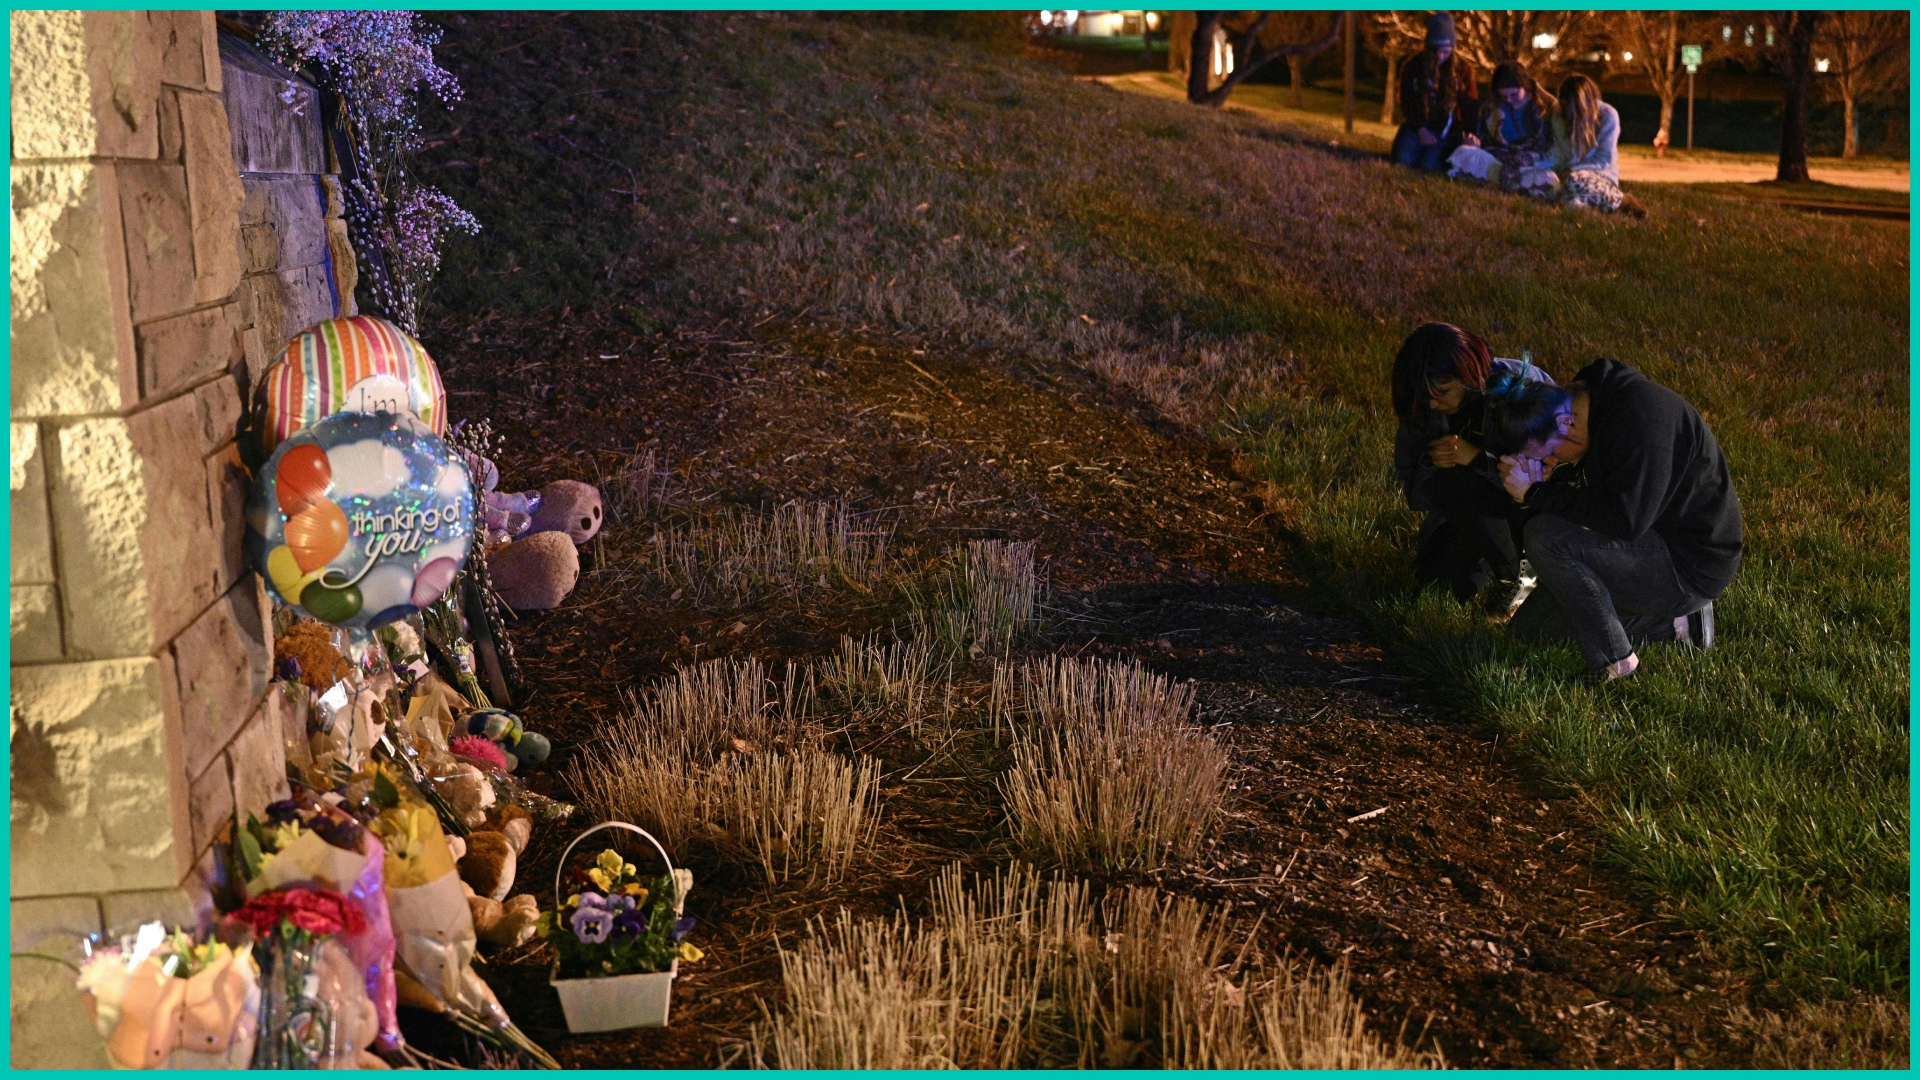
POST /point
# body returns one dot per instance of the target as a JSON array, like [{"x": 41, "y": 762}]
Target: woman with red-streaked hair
[{"x": 1439, "y": 393}]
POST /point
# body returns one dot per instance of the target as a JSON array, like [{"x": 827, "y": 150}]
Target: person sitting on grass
[
  {"x": 1630, "y": 522},
  {"x": 1439, "y": 379},
  {"x": 1438, "y": 99},
  {"x": 1516, "y": 133},
  {"x": 1586, "y": 150}
]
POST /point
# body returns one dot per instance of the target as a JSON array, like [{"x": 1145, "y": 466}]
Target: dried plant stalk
[
  {"x": 741, "y": 556},
  {"x": 991, "y": 599},
  {"x": 808, "y": 815},
  {"x": 895, "y": 678},
  {"x": 1020, "y": 973}
]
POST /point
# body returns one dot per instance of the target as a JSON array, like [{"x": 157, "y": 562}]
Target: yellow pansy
[
  {"x": 599, "y": 877},
  {"x": 637, "y": 891},
  {"x": 574, "y": 900},
  {"x": 690, "y": 952},
  {"x": 611, "y": 862}
]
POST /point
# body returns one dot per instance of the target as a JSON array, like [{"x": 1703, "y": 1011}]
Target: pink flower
[{"x": 481, "y": 749}]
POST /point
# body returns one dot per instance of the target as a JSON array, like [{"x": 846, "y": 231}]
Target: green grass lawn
[{"x": 682, "y": 167}]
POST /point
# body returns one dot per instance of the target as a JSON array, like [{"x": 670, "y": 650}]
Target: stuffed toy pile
[{"x": 532, "y": 538}]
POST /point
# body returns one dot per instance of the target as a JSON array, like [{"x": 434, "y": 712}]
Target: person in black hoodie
[
  {"x": 1636, "y": 532},
  {"x": 1440, "y": 380}
]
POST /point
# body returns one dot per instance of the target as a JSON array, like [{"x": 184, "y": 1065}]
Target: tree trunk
[
  {"x": 1664, "y": 138},
  {"x": 1851, "y": 147},
  {"x": 1796, "y": 72},
  {"x": 1296, "y": 76},
  {"x": 1393, "y": 90},
  {"x": 1200, "y": 56},
  {"x": 1250, "y": 57}
]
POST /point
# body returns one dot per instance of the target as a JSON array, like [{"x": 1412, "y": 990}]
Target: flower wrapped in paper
[{"x": 315, "y": 1010}]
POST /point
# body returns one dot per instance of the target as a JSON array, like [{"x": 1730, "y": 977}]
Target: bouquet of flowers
[
  {"x": 316, "y": 1013},
  {"x": 619, "y": 923},
  {"x": 168, "y": 1002}
]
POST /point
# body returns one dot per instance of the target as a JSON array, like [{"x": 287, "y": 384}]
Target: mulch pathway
[{"x": 1364, "y": 826}]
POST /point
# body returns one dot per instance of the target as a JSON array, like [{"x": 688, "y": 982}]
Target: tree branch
[{"x": 1258, "y": 56}]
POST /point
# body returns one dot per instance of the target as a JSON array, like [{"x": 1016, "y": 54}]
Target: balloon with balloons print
[{"x": 361, "y": 519}]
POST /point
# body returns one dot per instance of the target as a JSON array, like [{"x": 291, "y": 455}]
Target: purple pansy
[
  {"x": 630, "y": 922},
  {"x": 681, "y": 926},
  {"x": 591, "y": 924},
  {"x": 592, "y": 900}
]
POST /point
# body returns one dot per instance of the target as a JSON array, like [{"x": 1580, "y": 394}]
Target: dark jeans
[
  {"x": 1606, "y": 595},
  {"x": 1408, "y": 151},
  {"x": 1472, "y": 542}
]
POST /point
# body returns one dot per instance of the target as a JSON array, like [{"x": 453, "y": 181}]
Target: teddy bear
[
  {"x": 570, "y": 507},
  {"x": 535, "y": 573},
  {"x": 489, "y": 865}
]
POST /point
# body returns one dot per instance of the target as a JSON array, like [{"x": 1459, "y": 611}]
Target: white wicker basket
[{"x": 618, "y": 1002}]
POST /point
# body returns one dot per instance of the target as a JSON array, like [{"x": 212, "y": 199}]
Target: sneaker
[
  {"x": 1612, "y": 672},
  {"x": 1695, "y": 630}
]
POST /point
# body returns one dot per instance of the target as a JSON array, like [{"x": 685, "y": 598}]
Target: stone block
[
  {"x": 274, "y": 114},
  {"x": 51, "y": 100},
  {"x": 259, "y": 762},
  {"x": 50, "y": 1026},
  {"x": 183, "y": 53},
  {"x": 123, "y": 64},
  {"x": 346, "y": 267},
  {"x": 213, "y": 188},
  {"x": 287, "y": 227},
  {"x": 218, "y": 403},
  {"x": 92, "y": 789},
  {"x": 131, "y": 519},
  {"x": 182, "y": 350},
  {"x": 72, "y": 351},
  {"x": 158, "y": 227},
  {"x": 210, "y": 803},
  {"x": 170, "y": 136},
  {"x": 35, "y": 615},
  {"x": 336, "y": 198},
  {"x": 227, "y": 483},
  {"x": 32, "y": 531},
  {"x": 127, "y": 912},
  {"x": 257, "y": 355},
  {"x": 287, "y": 302},
  {"x": 220, "y": 665}
]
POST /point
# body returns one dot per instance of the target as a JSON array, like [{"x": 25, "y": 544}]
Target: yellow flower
[
  {"x": 611, "y": 862},
  {"x": 690, "y": 952},
  {"x": 600, "y": 878},
  {"x": 574, "y": 900},
  {"x": 637, "y": 891},
  {"x": 284, "y": 835},
  {"x": 631, "y": 870}
]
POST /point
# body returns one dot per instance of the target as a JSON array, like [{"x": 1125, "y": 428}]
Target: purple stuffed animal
[
  {"x": 507, "y": 516},
  {"x": 568, "y": 506}
]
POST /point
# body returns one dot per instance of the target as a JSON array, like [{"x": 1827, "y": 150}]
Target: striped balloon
[{"x": 324, "y": 361}]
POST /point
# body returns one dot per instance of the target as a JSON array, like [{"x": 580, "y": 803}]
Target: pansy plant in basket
[{"x": 618, "y": 923}]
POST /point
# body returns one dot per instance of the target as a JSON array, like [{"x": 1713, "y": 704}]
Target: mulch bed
[{"x": 1364, "y": 826}]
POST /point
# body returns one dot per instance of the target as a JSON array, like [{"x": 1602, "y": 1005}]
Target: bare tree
[
  {"x": 1251, "y": 53},
  {"x": 1547, "y": 43},
  {"x": 1796, "y": 76},
  {"x": 1648, "y": 42},
  {"x": 1394, "y": 36},
  {"x": 1866, "y": 55}
]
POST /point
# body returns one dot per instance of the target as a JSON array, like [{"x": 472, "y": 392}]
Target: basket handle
[{"x": 560, "y": 871}]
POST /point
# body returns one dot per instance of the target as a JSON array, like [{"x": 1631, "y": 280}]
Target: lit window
[
  {"x": 1545, "y": 41},
  {"x": 1046, "y": 18},
  {"x": 1769, "y": 35},
  {"x": 1748, "y": 38},
  {"x": 1726, "y": 33}
]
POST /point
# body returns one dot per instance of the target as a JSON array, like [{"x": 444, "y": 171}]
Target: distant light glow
[
  {"x": 1821, "y": 66},
  {"x": 1046, "y": 18},
  {"x": 1545, "y": 41},
  {"x": 1153, "y": 20},
  {"x": 1627, "y": 56}
]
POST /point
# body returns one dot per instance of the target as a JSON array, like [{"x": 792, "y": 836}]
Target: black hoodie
[{"x": 1651, "y": 465}]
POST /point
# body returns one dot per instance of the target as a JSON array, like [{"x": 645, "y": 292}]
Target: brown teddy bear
[
  {"x": 489, "y": 865},
  {"x": 570, "y": 507},
  {"x": 534, "y": 573}
]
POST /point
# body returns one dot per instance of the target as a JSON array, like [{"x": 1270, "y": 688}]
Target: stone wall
[{"x": 151, "y": 282}]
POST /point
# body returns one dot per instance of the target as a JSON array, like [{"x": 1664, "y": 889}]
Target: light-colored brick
[
  {"x": 123, "y": 65},
  {"x": 210, "y": 802},
  {"x": 32, "y": 532},
  {"x": 213, "y": 188},
  {"x": 127, "y": 912},
  {"x": 180, "y": 351},
  {"x": 34, "y": 611},
  {"x": 218, "y": 404},
  {"x": 288, "y": 302},
  {"x": 220, "y": 665},
  {"x": 71, "y": 339},
  {"x": 50, "y": 1025},
  {"x": 131, "y": 519},
  {"x": 159, "y": 235},
  {"x": 272, "y": 133},
  {"x": 227, "y": 485},
  {"x": 183, "y": 55},
  {"x": 210, "y": 50},
  {"x": 52, "y": 97},
  {"x": 92, "y": 791},
  {"x": 259, "y": 761},
  {"x": 171, "y": 151}
]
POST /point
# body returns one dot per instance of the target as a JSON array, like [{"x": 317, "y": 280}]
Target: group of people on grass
[
  {"x": 1611, "y": 490},
  {"x": 1521, "y": 140}
]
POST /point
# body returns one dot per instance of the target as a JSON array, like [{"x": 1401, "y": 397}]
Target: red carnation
[{"x": 316, "y": 911}]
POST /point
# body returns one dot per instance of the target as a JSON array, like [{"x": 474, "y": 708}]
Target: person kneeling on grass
[
  {"x": 1631, "y": 521},
  {"x": 1439, "y": 379}
]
